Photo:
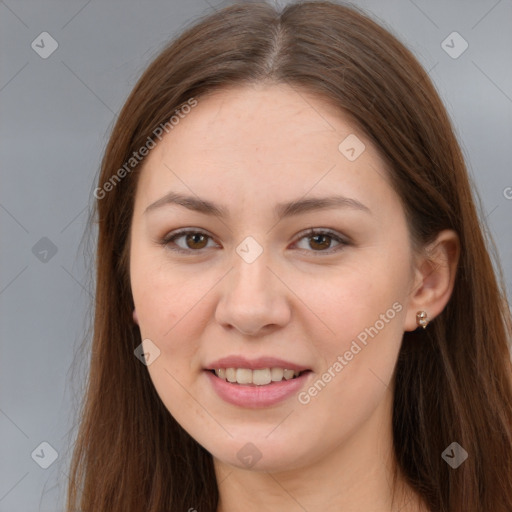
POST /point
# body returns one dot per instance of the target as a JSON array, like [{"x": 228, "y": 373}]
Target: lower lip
[{"x": 253, "y": 396}]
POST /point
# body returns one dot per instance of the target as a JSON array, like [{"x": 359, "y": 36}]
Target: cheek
[
  {"x": 358, "y": 359},
  {"x": 168, "y": 316},
  {"x": 162, "y": 293},
  {"x": 173, "y": 309},
  {"x": 168, "y": 304},
  {"x": 358, "y": 298},
  {"x": 364, "y": 307}
]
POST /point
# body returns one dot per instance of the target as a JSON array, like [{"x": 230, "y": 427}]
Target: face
[{"x": 297, "y": 258}]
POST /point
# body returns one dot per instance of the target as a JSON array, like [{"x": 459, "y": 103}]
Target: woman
[{"x": 295, "y": 305}]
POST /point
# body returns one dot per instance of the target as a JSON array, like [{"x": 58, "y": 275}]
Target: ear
[
  {"x": 434, "y": 278},
  {"x": 135, "y": 319}
]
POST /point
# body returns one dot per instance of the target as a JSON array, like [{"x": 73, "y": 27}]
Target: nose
[{"x": 253, "y": 299}]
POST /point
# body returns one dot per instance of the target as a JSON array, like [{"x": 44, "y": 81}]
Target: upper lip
[{"x": 254, "y": 364}]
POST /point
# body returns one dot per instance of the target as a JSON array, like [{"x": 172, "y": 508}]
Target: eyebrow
[{"x": 281, "y": 210}]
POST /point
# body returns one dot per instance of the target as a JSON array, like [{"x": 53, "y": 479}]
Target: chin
[{"x": 261, "y": 454}]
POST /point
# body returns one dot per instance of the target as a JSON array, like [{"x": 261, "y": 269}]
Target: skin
[{"x": 248, "y": 148}]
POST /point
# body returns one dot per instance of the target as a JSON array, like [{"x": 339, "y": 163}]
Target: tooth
[
  {"x": 288, "y": 374},
  {"x": 244, "y": 376},
  {"x": 276, "y": 374},
  {"x": 261, "y": 377},
  {"x": 231, "y": 374}
]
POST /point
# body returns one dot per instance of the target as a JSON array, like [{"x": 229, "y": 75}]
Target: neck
[{"x": 356, "y": 475}]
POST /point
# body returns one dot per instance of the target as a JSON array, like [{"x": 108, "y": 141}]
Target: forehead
[
  {"x": 275, "y": 122},
  {"x": 262, "y": 141}
]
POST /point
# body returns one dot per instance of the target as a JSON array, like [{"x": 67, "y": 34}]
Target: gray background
[{"x": 55, "y": 116}]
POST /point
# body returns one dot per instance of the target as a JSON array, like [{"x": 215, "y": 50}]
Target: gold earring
[{"x": 421, "y": 319}]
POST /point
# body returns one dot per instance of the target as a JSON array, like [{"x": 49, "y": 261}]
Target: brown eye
[
  {"x": 320, "y": 242},
  {"x": 196, "y": 241},
  {"x": 186, "y": 241}
]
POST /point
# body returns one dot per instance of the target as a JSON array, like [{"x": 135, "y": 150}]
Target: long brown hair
[{"x": 453, "y": 381}]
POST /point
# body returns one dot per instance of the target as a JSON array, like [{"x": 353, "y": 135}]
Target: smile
[
  {"x": 256, "y": 391},
  {"x": 258, "y": 377}
]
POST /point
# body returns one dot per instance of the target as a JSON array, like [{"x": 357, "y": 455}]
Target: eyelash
[{"x": 171, "y": 237}]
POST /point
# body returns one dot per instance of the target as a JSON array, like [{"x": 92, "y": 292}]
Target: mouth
[
  {"x": 257, "y": 387},
  {"x": 257, "y": 377}
]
